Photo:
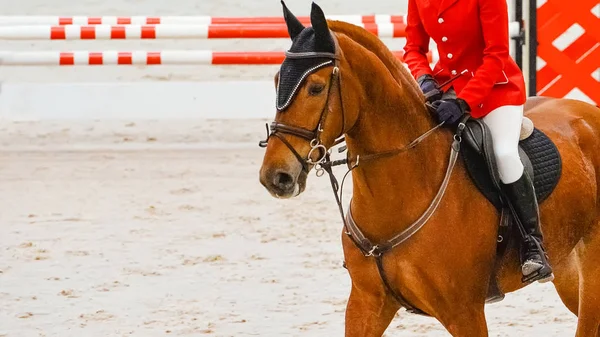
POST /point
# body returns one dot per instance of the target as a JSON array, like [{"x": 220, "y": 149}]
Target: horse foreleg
[
  {"x": 368, "y": 314},
  {"x": 467, "y": 322},
  {"x": 588, "y": 324}
]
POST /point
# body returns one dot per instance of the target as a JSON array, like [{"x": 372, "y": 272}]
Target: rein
[{"x": 325, "y": 164}]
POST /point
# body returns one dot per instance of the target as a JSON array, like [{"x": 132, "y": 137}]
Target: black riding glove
[
  {"x": 429, "y": 86},
  {"x": 450, "y": 110}
]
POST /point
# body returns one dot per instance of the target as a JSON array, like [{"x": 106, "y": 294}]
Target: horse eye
[{"x": 316, "y": 89}]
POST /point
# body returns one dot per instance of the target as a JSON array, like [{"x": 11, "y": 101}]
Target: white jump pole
[
  {"x": 169, "y": 57},
  {"x": 108, "y": 32},
  {"x": 133, "y": 32},
  {"x": 186, "y": 20}
]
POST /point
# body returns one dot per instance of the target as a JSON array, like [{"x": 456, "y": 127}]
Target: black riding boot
[{"x": 534, "y": 261}]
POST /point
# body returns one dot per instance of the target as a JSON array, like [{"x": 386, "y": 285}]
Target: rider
[{"x": 473, "y": 44}]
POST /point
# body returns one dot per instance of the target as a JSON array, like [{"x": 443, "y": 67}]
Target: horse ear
[
  {"x": 319, "y": 24},
  {"x": 294, "y": 25}
]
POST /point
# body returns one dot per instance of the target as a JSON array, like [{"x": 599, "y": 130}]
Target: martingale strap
[
  {"x": 370, "y": 249},
  {"x": 377, "y": 251}
]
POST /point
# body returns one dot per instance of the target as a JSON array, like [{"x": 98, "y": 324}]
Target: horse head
[
  {"x": 324, "y": 84},
  {"x": 310, "y": 114}
]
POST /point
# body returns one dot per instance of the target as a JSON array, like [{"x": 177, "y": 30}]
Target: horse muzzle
[{"x": 283, "y": 184}]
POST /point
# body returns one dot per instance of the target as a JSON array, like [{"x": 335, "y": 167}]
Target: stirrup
[{"x": 544, "y": 273}]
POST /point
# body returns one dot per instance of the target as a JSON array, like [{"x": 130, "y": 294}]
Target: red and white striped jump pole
[
  {"x": 187, "y": 20},
  {"x": 173, "y": 57},
  {"x": 107, "y": 32}
]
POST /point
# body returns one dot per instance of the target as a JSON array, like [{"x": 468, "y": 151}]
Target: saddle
[{"x": 541, "y": 160}]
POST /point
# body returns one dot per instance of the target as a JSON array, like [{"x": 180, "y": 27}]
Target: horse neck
[{"x": 390, "y": 193}]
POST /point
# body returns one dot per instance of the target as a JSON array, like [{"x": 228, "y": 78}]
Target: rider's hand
[
  {"x": 429, "y": 86},
  {"x": 450, "y": 111}
]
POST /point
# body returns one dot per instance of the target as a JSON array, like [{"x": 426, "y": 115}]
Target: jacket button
[
  {"x": 450, "y": 55},
  {"x": 454, "y": 72},
  {"x": 440, "y": 20},
  {"x": 444, "y": 39}
]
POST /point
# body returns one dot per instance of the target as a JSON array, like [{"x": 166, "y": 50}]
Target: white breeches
[{"x": 505, "y": 126}]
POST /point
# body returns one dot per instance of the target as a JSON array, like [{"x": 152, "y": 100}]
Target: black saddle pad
[
  {"x": 546, "y": 162},
  {"x": 538, "y": 153}
]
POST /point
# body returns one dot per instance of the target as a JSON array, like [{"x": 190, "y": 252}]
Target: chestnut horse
[{"x": 367, "y": 96}]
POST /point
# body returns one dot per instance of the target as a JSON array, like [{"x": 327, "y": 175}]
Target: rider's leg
[{"x": 505, "y": 126}]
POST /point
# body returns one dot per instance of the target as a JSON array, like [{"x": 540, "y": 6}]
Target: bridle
[
  {"x": 278, "y": 129},
  {"x": 325, "y": 164}
]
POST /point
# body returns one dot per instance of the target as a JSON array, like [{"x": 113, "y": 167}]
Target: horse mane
[{"x": 377, "y": 47}]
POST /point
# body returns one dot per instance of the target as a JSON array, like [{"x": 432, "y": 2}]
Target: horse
[{"x": 342, "y": 84}]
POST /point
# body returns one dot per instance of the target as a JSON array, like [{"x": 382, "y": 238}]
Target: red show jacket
[{"x": 471, "y": 35}]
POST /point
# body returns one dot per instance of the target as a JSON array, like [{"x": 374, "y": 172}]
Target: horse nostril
[{"x": 283, "y": 180}]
